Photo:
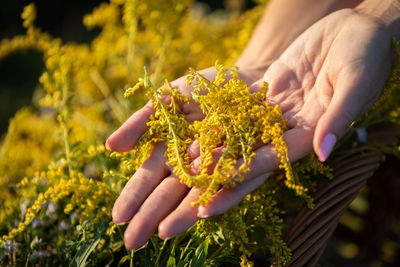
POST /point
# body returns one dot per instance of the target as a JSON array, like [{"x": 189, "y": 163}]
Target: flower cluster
[
  {"x": 234, "y": 119},
  {"x": 58, "y": 182}
]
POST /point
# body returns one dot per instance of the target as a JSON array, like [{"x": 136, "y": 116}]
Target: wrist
[
  {"x": 282, "y": 22},
  {"x": 386, "y": 11},
  {"x": 265, "y": 45}
]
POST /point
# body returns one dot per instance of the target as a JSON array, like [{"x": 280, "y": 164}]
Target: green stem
[
  {"x": 162, "y": 57},
  {"x": 64, "y": 118},
  {"x": 160, "y": 253},
  {"x": 131, "y": 258},
  {"x": 185, "y": 249},
  {"x": 211, "y": 83},
  {"x": 116, "y": 108},
  {"x": 170, "y": 128},
  {"x": 130, "y": 7},
  {"x": 66, "y": 144},
  {"x": 153, "y": 240}
]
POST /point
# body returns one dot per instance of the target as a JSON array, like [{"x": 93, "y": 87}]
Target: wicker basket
[{"x": 311, "y": 229}]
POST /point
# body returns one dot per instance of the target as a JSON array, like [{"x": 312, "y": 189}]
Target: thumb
[{"x": 346, "y": 105}]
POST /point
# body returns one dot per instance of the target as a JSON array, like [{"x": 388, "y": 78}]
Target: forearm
[
  {"x": 282, "y": 22},
  {"x": 386, "y": 11}
]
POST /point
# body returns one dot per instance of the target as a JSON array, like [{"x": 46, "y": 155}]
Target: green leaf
[
  {"x": 200, "y": 255},
  {"x": 171, "y": 260},
  {"x": 82, "y": 255},
  {"x": 226, "y": 258}
]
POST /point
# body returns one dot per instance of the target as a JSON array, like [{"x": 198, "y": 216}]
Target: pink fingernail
[
  {"x": 326, "y": 146},
  {"x": 108, "y": 146},
  {"x": 165, "y": 237},
  {"x": 202, "y": 213}
]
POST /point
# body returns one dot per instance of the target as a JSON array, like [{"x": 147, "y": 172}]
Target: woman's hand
[
  {"x": 331, "y": 75},
  {"x": 323, "y": 82},
  {"x": 154, "y": 192},
  {"x": 327, "y": 78}
]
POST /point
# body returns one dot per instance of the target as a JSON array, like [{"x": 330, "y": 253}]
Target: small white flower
[
  {"x": 24, "y": 205},
  {"x": 51, "y": 208},
  {"x": 36, "y": 223},
  {"x": 8, "y": 246},
  {"x": 63, "y": 225}
]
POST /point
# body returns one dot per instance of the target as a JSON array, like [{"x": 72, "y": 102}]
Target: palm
[
  {"x": 327, "y": 76},
  {"x": 153, "y": 192},
  {"x": 322, "y": 82}
]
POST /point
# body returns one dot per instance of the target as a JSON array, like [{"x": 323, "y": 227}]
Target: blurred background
[
  {"x": 19, "y": 72},
  {"x": 369, "y": 232}
]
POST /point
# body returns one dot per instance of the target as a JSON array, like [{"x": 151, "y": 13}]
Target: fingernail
[
  {"x": 326, "y": 146},
  {"x": 135, "y": 247},
  {"x": 117, "y": 220},
  {"x": 202, "y": 212},
  {"x": 165, "y": 237},
  {"x": 107, "y": 146}
]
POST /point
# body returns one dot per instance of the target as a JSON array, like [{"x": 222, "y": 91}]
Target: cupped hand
[
  {"x": 326, "y": 78},
  {"x": 330, "y": 76},
  {"x": 153, "y": 193}
]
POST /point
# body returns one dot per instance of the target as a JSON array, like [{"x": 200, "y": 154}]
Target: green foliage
[
  {"x": 200, "y": 255},
  {"x": 83, "y": 253},
  {"x": 58, "y": 182}
]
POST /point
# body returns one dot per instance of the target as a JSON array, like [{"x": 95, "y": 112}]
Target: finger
[
  {"x": 126, "y": 137},
  {"x": 333, "y": 123},
  {"x": 155, "y": 208},
  {"x": 185, "y": 215},
  {"x": 298, "y": 142},
  {"x": 182, "y": 218},
  {"x": 195, "y": 163},
  {"x": 352, "y": 97},
  {"x": 357, "y": 71},
  {"x": 229, "y": 197},
  {"x": 191, "y": 110},
  {"x": 194, "y": 150},
  {"x": 142, "y": 183}
]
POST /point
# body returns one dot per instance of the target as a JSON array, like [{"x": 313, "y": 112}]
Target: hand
[
  {"x": 325, "y": 80},
  {"x": 153, "y": 192},
  {"x": 331, "y": 75},
  {"x": 322, "y": 82}
]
